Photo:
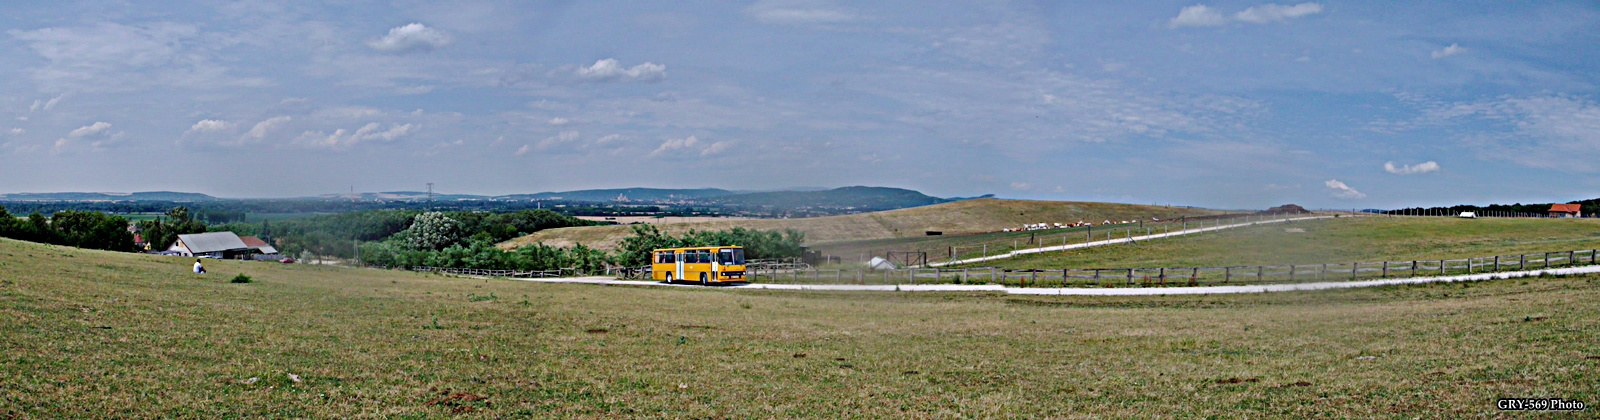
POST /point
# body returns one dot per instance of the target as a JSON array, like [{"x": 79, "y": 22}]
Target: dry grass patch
[
  {"x": 95, "y": 334},
  {"x": 981, "y": 215}
]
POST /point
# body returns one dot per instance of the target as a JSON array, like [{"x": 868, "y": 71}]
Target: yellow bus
[{"x": 703, "y": 264}]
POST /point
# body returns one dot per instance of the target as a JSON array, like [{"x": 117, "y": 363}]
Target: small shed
[
  {"x": 224, "y": 245},
  {"x": 1566, "y": 210}
]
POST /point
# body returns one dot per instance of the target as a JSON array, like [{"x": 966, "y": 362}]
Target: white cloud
[
  {"x": 1420, "y": 168},
  {"x": 1453, "y": 49},
  {"x": 1268, "y": 13},
  {"x": 716, "y": 148},
  {"x": 608, "y": 70},
  {"x": 260, "y": 130},
  {"x": 1021, "y": 186},
  {"x": 211, "y": 126},
  {"x": 558, "y": 121},
  {"x": 790, "y": 12},
  {"x": 556, "y": 140},
  {"x": 412, "y": 37},
  {"x": 17, "y": 131},
  {"x": 48, "y": 105},
  {"x": 1200, "y": 15},
  {"x": 344, "y": 139},
  {"x": 1196, "y": 16},
  {"x": 1340, "y": 190},
  {"x": 523, "y": 150},
  {"x": 675, "y": 144},
  {"x": 89, "y": 130}
]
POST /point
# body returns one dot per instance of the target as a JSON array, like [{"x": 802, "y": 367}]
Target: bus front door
[{"x": 679, "y": 261}]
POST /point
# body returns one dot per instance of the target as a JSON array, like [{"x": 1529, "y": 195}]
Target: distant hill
[
  {"x": 103, "y": 196},
  {"x": 631, "y": 194},
  {"x": 401, "y": 196},
  {"x": 862, "y": 198}
]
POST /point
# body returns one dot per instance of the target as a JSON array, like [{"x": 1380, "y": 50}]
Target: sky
[{"x": 1219, "y": 104}]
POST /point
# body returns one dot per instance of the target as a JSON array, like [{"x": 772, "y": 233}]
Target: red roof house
[{"x": 1565, "y": 210}]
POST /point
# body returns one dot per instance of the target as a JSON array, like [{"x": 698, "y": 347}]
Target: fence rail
[
  {"x": 1181, "y": 276},
  {"x": 564, "y": 272}
]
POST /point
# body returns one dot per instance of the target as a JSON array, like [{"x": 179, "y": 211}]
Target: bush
[{"x": 241, "y": 278}]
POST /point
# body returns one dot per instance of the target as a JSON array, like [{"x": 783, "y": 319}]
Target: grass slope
[
  {"x": 97, "y": 334},
  {"x": 1342, "y": 240},
  {"x": 980, "y": 215}
]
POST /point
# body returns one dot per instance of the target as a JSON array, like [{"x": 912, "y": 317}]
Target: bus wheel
[
  {"x": 703, "y": 281},
  {"x": 669, "y": 278}
]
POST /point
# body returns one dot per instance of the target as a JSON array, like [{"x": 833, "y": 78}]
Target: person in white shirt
[{"x": 199, "y": 269}]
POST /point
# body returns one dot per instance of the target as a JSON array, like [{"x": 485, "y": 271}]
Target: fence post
[
  {"x": 1385, "y": 269},
  {"x": 992, "y": 273},
  {"x": 1522, "y": 262},
  {"x": 1546, "y": 260},
  {"x": 1413, "y": 268},
  {"x": 963, "y": 275},
  {"x": 1063, "y": 277},
  {"x": 1162, "y": 276},
  {"x": 1323, "y": 275},
  {"x": 1260, "y": 269},
  {"x": 1130, "y": 276},
  {"x": 1469, "y": 264},
  {"x": 1353, "y": 267},
  {"x": 1570, "y": 261},
  {"x": 1291, "y": 273},
  {"x": 1441, "y": 267},
  {"x": 1227, "y": 274},
  {"x": 1496, "y": 264}
]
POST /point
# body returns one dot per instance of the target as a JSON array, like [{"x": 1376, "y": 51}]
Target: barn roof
[
  {"x": 212, "y": 242},
  {"x": 259, "y": 244},
  {"x": 1566, "y": 208}
]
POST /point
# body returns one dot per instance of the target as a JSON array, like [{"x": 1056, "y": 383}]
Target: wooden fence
[
  {"x": 1181, "y": 276},
  {"x": 564, "y": 272}
]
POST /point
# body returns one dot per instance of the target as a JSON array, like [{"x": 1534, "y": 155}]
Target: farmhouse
[
  {"x": 211, "y": 244},
  {"x": 1565, "y": 210}
]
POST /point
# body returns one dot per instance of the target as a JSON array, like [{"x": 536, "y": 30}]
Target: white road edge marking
[{"x": 1085, "y": 291}]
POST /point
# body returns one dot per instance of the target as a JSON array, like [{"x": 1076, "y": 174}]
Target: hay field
[
  {"x": 1341, "y": 240},
  {"x": 968, "y": 216},
  {"x": 98, "y": 334}
]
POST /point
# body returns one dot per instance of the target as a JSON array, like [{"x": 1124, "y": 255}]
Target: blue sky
[{"x": 1218, "y": 104}]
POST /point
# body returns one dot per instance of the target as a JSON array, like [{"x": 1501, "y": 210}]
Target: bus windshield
[{"x": 731, "y": 257}]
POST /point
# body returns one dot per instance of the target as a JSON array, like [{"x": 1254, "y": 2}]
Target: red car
[{"x": 287, "y": 260}]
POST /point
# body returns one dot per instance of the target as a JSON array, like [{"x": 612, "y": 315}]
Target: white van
[{"x": 1467, "y": 215}]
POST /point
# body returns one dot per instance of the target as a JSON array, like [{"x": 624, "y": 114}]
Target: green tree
[{"x": 432, "y": 231}]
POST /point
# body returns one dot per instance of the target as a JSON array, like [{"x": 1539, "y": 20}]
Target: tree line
[
  {"x": 438, "y": 240},
  {"x": 82, "y": 229}
]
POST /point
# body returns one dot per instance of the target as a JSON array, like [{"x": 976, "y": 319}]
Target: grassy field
[
  {"x": 97, "y": 334},
  {"x": 1342, "y": 240},
  {"x": 967, "y": 216},
  {"x": 940, "y": 248}
]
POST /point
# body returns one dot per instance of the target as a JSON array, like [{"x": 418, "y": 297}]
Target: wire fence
[
  {"x": 564, "y": 272},
  {"x": 1180, "y": 276}
]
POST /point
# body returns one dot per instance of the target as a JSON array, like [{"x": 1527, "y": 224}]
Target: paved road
[
  {"x": 1095, "y": 291},
  {"x": 1122, "y": 240}
]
